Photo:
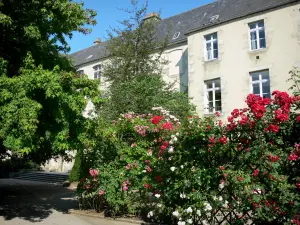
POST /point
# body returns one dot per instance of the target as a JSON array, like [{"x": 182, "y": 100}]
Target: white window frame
[
  {"x": 211, "y": 42},
  {"x": 206, "y": 96},
  {"x": 97, "y": 71},
  {"x": 260, "y": 82},
  {"x": 257, "y": 29}
]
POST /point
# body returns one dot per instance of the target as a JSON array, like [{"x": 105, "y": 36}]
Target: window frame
[
  {"x": 211, "y": 42},
  {"x": 97, "y": 71},
  {"x": 260, "y": 81},
  {"x": 257, "y": 29},
  {"x": 206, "y": 96}
]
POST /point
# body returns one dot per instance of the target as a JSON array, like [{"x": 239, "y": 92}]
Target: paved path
[{"x": 27, "y": 202}]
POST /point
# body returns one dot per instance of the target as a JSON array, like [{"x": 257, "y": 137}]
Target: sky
[{"x": 108, "y": 15}]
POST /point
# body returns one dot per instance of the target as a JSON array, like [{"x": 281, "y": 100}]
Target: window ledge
[
  {"x": 212, "y": 60},
  {"x": 257, "y": 50},
  {"x": 211, "y": 114}
]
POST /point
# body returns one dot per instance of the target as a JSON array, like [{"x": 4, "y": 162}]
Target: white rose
[
  {"x": 171, "y": 149},
  {"x": 198, "y": 212},
  {"x": 221, "y": 186},
  {"x": 190, "y": 221},
  {"x": 207, "y": 206},
  {"x": 175, "y": 213},
  {"x": 220, "y": 198},
  {"x": 182, "y": 195},
  {"x": 189, "y": 210},
  {"x": 173, "y": 168},
  {"x": 150, "y": 214},
  {"x": 157, "y": 195}
]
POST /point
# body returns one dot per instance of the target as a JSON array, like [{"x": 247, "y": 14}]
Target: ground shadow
[{"x": 33, "y": 201}]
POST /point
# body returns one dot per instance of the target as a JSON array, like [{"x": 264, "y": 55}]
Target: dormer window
[
  {"x": 176, "y": 35},
  {"x": 97, "y": 71}
]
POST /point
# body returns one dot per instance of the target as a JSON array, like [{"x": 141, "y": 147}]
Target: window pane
[
  {"x": 261, "y": 24},
  {"x": 262, "y": 33},
  {"x": 217, "y": 83},
  {"x": 256, "y": 89},
  {"x": 262, "y": 42},
  {"x": 210, "y": 96},
  {"x": 253, "y": 37},
  {"x": 215, "y": 36},
  {"x": 252, "y": 26},
  {"x": 218, "y": 106},
  {"x": 211, "y": 107},
  {"x": 265, "y": 74},
  {"x": 266, "y": 88},
  {"x": 215, "y": 45},
  {"x": 208, "y": 37},
  {"x": 209, "y": 84},
  {"x": 218, "y": 95},
  {"x": 267, "y": 95},
  {"x": 255, "y": 76}
]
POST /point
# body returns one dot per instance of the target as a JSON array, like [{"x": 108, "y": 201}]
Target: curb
[{"x": 97, "y": 215}]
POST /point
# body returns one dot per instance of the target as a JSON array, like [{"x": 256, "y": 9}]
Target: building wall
[{"x": 236, "y": 61}]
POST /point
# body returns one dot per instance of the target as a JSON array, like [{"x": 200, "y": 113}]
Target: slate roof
[{"x": 196, "y": 19}]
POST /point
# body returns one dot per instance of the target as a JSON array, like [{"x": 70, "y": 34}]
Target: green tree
[
  {"x": 41, "y": 100},
  {"x": 41, "y": 110},
  {"x": 40, "y": 27},
  {"x": 134, "y": 70}
]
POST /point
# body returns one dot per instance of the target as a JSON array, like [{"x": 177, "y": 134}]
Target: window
[
  {"x": 176, "y": 35},
  {"x": 211, "y": 44},
  {"x": 213, "y": 100},
  {"x": 257, "y": 35},
  {"x": 97, "y": 72},
  {"x": 260, "y": 83}
]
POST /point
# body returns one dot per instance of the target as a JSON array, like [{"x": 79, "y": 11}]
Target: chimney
[
  {"x": 152, "y": 17},
  {"x": 98, "y": 41}
]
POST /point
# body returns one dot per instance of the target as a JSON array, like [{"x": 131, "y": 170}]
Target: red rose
[
  {"x": 273, "y": 158},
  {"x": 167, "y": 126},
  {"x": 147, "y": 186},
  {"x": 159, "y": 179},
  {"x": 256, "y": 172},
  {"x": 235, "y": 113},
  {"x": 273, "y": 128},
  {"x": 230, "y": 119},
  {"x": 221, "y": 167},
  {"x": 293, "y": 157},
  {"x": 223, "y": 140},
  {"x": 298, "y": 119},
  {"x": 156, "y": 119},
  {"x": 163, "y": 147},
  {"x": 218, "y": 114},
  {"x": 212, "y": 140}
]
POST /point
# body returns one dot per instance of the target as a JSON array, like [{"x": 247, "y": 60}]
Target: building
[{"x": 223, "y": 51}]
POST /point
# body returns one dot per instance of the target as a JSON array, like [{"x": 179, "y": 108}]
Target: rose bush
[{"x": 204, "y": 170}]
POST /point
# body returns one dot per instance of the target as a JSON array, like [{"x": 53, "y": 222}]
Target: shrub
[{"x": 205, "y": 170}]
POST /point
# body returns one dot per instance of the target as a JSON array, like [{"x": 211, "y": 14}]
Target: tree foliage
[
  {"x": 41, "y": 110},
  {"x": 41, "y": 100},
  {"x": 40, "y": 27},
  {"x": 135, "y": 68}
]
